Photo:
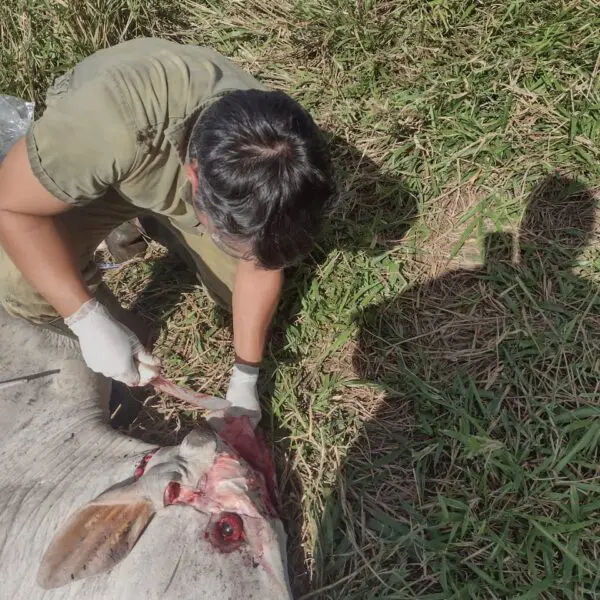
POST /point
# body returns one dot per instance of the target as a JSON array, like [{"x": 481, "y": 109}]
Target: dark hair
[{"x": 264, "y": 172}]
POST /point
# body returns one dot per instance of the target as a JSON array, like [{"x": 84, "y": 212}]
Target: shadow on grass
[
  {"x": 477, "y": 475},
  {"x": 375, "y": 210}
]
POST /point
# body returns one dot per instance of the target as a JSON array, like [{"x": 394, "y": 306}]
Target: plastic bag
[{"x": 15, "y": 117}]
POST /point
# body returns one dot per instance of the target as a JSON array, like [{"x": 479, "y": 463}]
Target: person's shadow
[
  {"x": 373, "y": 212},
  {"x": 484, "y": 383}
]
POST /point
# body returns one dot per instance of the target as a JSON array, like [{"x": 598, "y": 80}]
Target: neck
[{"x": 58, "y": 451}]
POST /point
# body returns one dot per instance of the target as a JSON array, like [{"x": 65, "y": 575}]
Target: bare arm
[
  {"x": 31, "y": 237},
  {"x": 256, "y": 294}
]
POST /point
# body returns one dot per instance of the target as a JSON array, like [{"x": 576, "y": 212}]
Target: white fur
[{"x": 57, "y": 453}]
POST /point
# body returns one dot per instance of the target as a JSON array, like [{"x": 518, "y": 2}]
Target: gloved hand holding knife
[
  {"x": 109, "y": 347},
  {"x": 112, "y": 349}
]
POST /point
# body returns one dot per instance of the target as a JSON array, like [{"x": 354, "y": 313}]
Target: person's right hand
[{"x": 109, "y": 347}]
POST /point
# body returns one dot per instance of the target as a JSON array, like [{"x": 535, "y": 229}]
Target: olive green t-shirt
[{"x": 120, "y": 120}]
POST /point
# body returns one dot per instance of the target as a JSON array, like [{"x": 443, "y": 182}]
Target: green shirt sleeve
[{"x": 84, "y": 142}]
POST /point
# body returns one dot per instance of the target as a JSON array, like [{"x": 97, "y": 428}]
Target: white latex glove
[
  {"x": 110, "y": 348},
  {"x": 242, "y": 396}
]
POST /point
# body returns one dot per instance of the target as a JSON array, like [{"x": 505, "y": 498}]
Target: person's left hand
[{"x": 242, "y": 396}]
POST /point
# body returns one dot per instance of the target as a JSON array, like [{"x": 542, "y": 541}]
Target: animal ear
[{"x": 95, "y": 538}]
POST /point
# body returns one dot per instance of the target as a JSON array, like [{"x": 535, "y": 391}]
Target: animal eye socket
[
  {"x": 226, "y": 531},
  {"x": 231, "y": 527}
]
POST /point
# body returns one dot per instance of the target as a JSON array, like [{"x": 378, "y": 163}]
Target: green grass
[{"x": 432, "y": 384}]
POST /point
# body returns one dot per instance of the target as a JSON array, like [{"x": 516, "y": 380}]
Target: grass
[{"x": 432, "y": 382}]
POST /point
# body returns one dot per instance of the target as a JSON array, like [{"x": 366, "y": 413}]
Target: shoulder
[{"x": 161, "y": 80}]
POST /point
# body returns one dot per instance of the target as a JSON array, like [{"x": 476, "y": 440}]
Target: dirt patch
[{"x": 449, "y": 233}]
